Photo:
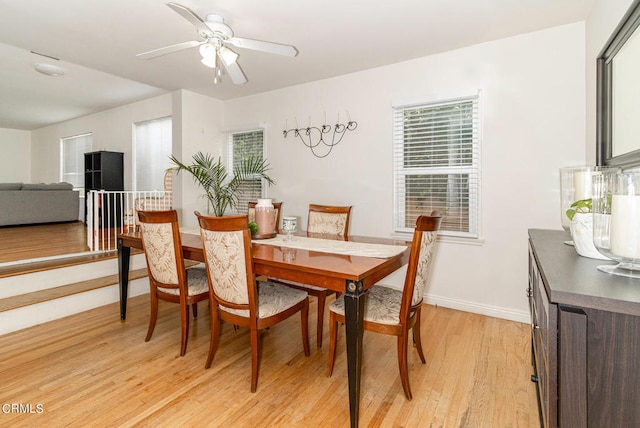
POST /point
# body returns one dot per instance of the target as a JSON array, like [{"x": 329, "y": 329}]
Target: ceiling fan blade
[
  {"x": 235, "y": 72},
  {"x": 190, "y": 16},
  {"x": 168, "y": 49},
  {"x": 258, "y": 45}
]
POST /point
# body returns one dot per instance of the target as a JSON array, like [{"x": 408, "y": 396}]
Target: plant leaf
[{"x": 212, "y": 176}]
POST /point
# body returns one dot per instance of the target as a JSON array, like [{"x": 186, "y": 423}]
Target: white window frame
[
  {"x": 400, "y": 225},
  {"x": 242, "y": 205},
  {"x": 80, "y": 173}
]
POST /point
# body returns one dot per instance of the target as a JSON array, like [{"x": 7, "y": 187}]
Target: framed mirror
[{"x": 618, "y": 92}]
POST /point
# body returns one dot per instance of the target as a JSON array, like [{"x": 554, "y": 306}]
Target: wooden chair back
[
  {"x": 163, "y": 249},
  {"x": 329, "y": 220},
  {"x": 422, "y": 246},
  {"x": 227, "y": 248}
]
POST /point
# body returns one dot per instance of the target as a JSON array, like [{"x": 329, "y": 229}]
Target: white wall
[
  {"x": 196, "y": 121},
  {"x": 602, "y": 21},
  {"x": 197, "y": 127},
  {"x": 533, "y": 97},
  {"x": 15, "y": 162},
  {"x": 112, "y": 130}
]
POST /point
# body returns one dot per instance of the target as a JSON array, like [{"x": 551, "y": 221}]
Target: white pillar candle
[
  {"x": 581, "y": 184},
  {"x": 625, "y": 226}
]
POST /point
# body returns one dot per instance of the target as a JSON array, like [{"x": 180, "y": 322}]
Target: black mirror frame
[{"x": 629, "y": 23}]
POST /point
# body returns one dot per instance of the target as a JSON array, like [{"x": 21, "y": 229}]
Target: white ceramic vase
[{"x": 265, "y": 217}]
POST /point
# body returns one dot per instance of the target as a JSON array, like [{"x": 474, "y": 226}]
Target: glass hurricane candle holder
[
  {"x": 289, "y": 226},
  {"x": 575, "y": 185},
  {"x": 616, "y": 221}
]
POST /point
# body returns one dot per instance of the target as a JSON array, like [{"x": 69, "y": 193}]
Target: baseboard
[{"x": 490, "y": 311}]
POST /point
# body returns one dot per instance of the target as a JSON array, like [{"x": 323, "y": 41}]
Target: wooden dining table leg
[
  {"x": 124, "y": 255},
  {"x": 354, "y": 300}
]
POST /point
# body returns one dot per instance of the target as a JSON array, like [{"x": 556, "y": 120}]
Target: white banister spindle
[{"x": 113, "y": 212}]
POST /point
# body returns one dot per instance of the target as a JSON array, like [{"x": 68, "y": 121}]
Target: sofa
[{"x": 22, "y": 203}]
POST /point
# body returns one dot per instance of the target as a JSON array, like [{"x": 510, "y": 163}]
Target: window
[
  {"x": 240, "y": 146},
  {"x": 73, "y": 150},
  {"x": 152, "y": 148},
  {"x": 436, "y": 165}
]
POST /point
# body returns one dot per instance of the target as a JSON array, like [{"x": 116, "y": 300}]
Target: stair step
[
  {"x": 27, "y": 299},
  {"x": 14, "y": 269}
]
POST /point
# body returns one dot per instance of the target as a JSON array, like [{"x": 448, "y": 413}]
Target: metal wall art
[{"x": 314, "y": 136}]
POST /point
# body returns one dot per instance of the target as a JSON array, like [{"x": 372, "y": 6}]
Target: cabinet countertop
[{"x": 570, "y": 279}]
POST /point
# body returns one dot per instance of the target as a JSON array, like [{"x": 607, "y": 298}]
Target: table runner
[{"x": 348, "y": 248}]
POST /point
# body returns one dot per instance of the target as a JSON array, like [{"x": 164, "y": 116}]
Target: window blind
[
  {"x": 243, "y": 145},
  {"x": 152, "y": 141},
  {"x": 73, "y": 150},
  {"x": 436, "y": 165}
]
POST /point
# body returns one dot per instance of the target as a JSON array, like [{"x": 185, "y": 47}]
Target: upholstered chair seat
[
  {"x": 382, "y": 306},
  {"x": 197, "y": 282},
  {"x": 272, "y": 299}
]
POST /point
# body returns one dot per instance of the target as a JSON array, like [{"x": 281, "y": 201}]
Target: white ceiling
[{"x": 96, "y": 42}]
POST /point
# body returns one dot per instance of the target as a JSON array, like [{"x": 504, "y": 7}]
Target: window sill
[{"x": 442, "y": 238}]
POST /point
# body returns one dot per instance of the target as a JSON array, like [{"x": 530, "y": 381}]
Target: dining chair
[
  {"x": 169, "y": 279},
  {"x": 158, "y": 203},
  {"x": 234, "y": 294},
  {"x": 395, "y": 312},
  {"x": 329, "y": 222},
  {"x": 277, "y": 207}
]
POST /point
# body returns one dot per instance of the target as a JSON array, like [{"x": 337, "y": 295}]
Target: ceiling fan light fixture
[
  {"x": 49, "y": 70},
  {"x": 228, "y": 56},
  {"x": 209, "y": 61},
  {"x": 207, "y": 50}
]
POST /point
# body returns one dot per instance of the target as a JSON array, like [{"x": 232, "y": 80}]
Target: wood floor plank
[
  {"x": 92, "y": 369},
  {"x": 42, "y": 240}
]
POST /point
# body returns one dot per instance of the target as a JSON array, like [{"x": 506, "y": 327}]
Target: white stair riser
[
  {"x": 28, "y": 316},
  {"x": 36, "y": 281}
]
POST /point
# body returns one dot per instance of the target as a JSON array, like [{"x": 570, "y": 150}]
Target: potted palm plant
[{"x": 221, "y": 190}]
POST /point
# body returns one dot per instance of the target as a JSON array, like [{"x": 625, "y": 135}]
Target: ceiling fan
[{"x": 214, "y": 35}]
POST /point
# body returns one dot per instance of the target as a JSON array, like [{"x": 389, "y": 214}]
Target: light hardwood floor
[
  {"x": 42, "y": 240},
  {"x": 92, "y": 370}
]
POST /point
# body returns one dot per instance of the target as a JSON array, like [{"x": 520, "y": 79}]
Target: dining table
[{"x": 350, "y": 267}]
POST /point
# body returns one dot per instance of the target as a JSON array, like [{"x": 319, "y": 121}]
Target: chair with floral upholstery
[
  {"x": 162, "y": 202},
  {"x": 169, "y": 279},
  {"x": 395, "y": 312},
  {"x": 234, "y": 294},
  {"x": 329, "y": 222}
]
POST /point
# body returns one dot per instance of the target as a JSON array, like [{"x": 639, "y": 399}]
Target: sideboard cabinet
[{"x": 585, "y": 334}]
